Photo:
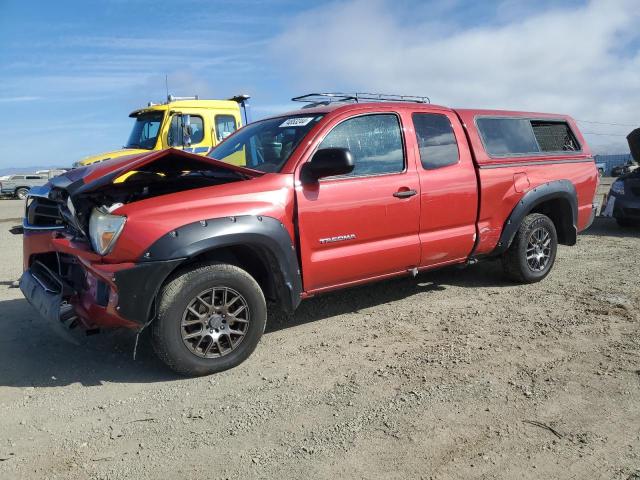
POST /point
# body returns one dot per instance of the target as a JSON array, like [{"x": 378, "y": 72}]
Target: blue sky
[{"x": 73, "y": 70}]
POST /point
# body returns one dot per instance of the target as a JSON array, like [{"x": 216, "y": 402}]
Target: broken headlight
[{"x": 104, "y": 229}]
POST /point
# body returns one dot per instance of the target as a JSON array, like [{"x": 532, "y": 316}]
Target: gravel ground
[{"x": 454, "y": 374}]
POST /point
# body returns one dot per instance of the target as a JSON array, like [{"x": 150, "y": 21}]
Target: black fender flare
[
  {"x": 562, "y": 189},
  {"x": 139, "y": 285}
]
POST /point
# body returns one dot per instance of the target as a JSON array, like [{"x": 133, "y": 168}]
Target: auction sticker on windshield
[{"x": 296, "y": 122}]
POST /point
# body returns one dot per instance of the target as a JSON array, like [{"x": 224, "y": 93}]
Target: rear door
[
  {"x": 362, "y": 225},
  {"x": 448, "y": 188}
]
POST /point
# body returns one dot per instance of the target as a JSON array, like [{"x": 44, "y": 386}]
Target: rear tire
[
  {"x": 22, "y": 193},
  {"x": 201, "y": 328},
  {"x": 532, "y": 252}
]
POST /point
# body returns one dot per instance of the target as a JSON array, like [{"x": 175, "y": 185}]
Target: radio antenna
[{"x": 166, "y": 84}]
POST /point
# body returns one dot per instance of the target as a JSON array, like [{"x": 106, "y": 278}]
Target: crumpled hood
[
  {"x": 91, "y": 177},
  {"x": 634, "y": 144}
]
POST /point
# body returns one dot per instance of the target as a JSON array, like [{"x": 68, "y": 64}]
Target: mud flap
[{"x": 50, "y": 305}]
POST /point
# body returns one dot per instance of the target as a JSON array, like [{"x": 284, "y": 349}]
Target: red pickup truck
[{"x": 341, "y": 192}]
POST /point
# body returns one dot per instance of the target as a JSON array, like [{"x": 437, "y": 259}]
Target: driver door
[
  {"x": 190, "y": 138},
  {"x": 363, "y": 225}
]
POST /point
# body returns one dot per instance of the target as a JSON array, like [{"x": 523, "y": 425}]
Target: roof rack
[{"x": 318, "y": 99}]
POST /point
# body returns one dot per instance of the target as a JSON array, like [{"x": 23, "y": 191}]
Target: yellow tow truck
[{"x": 187, "y": 123}]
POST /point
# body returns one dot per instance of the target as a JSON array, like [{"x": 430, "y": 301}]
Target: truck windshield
[
  {"x": 145, "y": 131},
  {"x": 265, "y": 145}
]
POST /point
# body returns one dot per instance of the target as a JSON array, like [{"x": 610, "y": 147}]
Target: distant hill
[{"x": 11, "y": 171}]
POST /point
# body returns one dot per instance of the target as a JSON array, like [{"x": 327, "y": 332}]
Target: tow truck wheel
[
  {"x": 532, "y": 253},
  {"x": 210, "y": 319},
  {"x": 22, "y": 193}
]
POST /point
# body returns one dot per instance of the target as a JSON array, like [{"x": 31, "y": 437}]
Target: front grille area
[{"x": 43, "y": 213}]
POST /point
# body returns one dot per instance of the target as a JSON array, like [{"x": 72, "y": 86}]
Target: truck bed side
[{"x": 505, "y": 181}]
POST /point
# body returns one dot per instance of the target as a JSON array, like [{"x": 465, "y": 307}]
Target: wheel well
[
  {"x": 561, "y": 214},
  {"x": 257, "y": 262}
]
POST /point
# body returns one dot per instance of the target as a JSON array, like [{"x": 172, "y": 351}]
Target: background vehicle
[
  {"x": 623, "y": 169},
  {"x": 623, "y": 201},
  {"x": 188, "y": 123},
  {"x": 337, "y": 194},
  {"x": 19, "y": 185},
  {"x": 602, "y": 167}
]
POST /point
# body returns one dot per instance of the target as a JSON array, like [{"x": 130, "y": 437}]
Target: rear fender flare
[{"x": 557, "y": 189}]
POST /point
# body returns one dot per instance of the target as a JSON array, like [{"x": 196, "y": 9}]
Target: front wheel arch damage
[
  {"x": 259, "y": 264},
  {"x": 259, "y": 245},
  {"x": 251, "y": 259}
]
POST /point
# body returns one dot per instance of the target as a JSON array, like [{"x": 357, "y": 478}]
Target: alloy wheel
[
  {"x": 539, "y": 249},
  {"x": 215, "y": 322}
]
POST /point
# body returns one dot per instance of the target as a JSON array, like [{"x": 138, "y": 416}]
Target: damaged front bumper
[
  {"x": 78, "y": 294},
  {"x": 45, "y": 292}
]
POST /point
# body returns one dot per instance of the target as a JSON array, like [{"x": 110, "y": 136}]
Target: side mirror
[
  {"x": 186, "y": 130},
  {"x": 327, "y": 162}
]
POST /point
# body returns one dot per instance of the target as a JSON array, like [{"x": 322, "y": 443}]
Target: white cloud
[
  {"x": 583, "y": 61},
  {"x": 23, "y": 98}
]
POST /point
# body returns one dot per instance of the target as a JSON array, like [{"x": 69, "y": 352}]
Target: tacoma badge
[{"x": 339, "y": 238}]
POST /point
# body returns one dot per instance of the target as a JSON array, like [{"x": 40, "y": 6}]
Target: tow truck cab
[{"x": 187, "y": 123}]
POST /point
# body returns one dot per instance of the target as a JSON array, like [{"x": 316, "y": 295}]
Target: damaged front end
[
  {"x": 71, "y": 225},
  {"x": 46, "y": 292}
]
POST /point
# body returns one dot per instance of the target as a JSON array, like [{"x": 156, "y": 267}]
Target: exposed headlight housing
[
  {"x": 104, "y": 229},
  {"x": 618, "y": 187}
]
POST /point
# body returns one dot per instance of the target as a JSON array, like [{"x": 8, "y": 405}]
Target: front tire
[
  {"x": 210, "y": 319},
  {"x": 22, "y": 193},
  {"x": 532, "y": 253}
]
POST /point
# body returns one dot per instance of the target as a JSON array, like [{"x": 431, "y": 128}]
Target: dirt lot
[{"x": 455, "y": 374}]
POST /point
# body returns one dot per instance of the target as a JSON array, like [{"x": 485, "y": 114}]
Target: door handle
[{"x": 405, "y": 193}]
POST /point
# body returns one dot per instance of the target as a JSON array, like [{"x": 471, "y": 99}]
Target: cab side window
[
  {"x": 436, "y": 140},
  {"x": 177, "y": 135},
  {"x": 197, "y": 129},
  {"x": 225, "y": 126},
  {"x": 375, "y": 141}
]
